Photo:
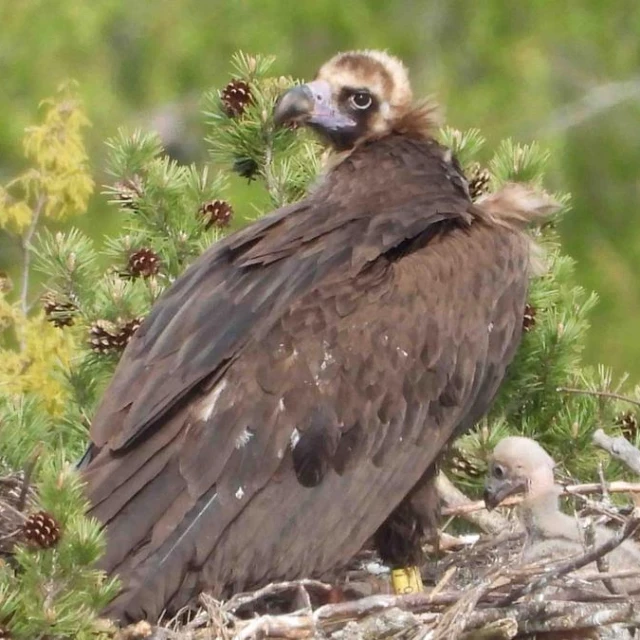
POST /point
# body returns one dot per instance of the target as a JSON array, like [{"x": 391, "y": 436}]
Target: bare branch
[
  {"x": 572, "y": 489},
  {"x": 26, "y": 252},
  {"x": 599, "y": 394},
  {"x": 293, "y": 586},
  {"x": 536, "y": 616},
  {"x": 592, "y": 103},
  {"x": 619, "y": 448}
]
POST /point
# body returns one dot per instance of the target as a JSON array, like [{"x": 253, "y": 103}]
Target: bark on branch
[{"x": 619, "y": 448}]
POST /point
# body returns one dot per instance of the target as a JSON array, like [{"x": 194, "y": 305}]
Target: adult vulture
[{"x": 289, "y": 395}]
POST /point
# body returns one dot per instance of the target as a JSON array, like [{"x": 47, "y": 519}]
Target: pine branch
[{"x": 600, "y": 394}]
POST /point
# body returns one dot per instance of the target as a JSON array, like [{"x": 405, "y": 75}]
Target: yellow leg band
[{"x": 406, "y": 580}]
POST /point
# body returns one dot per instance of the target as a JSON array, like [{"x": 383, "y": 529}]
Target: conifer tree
[{"x": 58, "y": 348}]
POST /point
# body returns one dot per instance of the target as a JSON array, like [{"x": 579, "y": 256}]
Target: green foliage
[
  {"x": 284, "y": 160},
  {"x": 518, "y": 163},
  {"x": 55, "y": 593},
  {"x": 465, "y": 145},
  {"x": 57, "y": 184},
  {"x": 550, "y": 358}
]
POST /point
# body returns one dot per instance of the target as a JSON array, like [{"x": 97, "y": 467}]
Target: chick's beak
[
  {"x": 495, "y": 491},
  {"x": 312, "y": 104}
]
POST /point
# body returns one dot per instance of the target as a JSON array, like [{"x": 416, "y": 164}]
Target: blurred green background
[{"x": 565, "y": 73}]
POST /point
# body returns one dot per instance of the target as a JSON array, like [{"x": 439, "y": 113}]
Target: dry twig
[
  {"x": 599, "y": 394},
  {"x": 465, "y": 508}
]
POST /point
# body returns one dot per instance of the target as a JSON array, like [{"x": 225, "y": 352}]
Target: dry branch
[
  {"x": 293, "y": 586},
  {"x": 600, "y": 394},
  {"x": 619, "y": 448},
  {"x": 465, "y": 508},
  {"x": 543, "y": 617}
]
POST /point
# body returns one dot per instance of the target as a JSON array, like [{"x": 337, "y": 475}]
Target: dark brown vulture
[{"x": 288, "y": 397}]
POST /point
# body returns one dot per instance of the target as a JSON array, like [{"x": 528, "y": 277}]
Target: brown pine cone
[
  {"x": 479, "y": 182},
  {"x": 143, "y": 263},
  {"x": 628, "y": 423},
  {"x": 41, "y": 529},
  {"x": 127, "y": 329},
  {"x": 112, "y": 337},
  {"x": 529, "y": 318},
  {"x": 216, "y": 212},
  {"x": 59, "y": 312},
  {"x": 235, "y": 98},
  {"x": 129, "y": 191}
]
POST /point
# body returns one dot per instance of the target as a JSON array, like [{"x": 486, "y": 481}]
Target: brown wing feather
[{"x": 323, "y": 361}]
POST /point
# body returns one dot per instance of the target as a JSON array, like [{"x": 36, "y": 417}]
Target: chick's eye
[
  {"x": 498, "y": 472},
  {"x": 360, "y": 100}
]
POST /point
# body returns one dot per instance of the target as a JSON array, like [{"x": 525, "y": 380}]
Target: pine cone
[
  {"x": 461, "y": 464},
  {"x": 143, "y": 263},
  {"x": 41, "y": 529},
  {"x": 108, "y": 337},
  {"x": 479, "y": 182},
  {"x": 245, "y": 168},
  {"x": 129, "y": 191},
  {"x": 529, "y": 318},
  {"x": 103, "y": 337},
  {"x": 216, "y": 212},
  {"x": 58, "y": 312},
  {"x": 128, "y": 328},
  {"x": 235, "y": 98},
  {"x": 628, "y": 423},
  {"x": 6, "y": 283}
]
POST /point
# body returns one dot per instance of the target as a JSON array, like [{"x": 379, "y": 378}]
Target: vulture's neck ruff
[{"x": 357, "y": 97}]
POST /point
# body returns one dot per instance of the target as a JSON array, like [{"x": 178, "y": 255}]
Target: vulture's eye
[
  {"x": 498, "y": 472},
  {"x": 360, "y": 100}
]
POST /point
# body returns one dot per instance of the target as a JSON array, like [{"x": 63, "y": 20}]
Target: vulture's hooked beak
[
  {"x": 313, "y": 104},
  {"x": 495, "y": 490}
]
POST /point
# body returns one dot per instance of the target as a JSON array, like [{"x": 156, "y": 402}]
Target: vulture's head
[
  {"x": 518, "y": 466},
  {"x": 355, "y": 97}
]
